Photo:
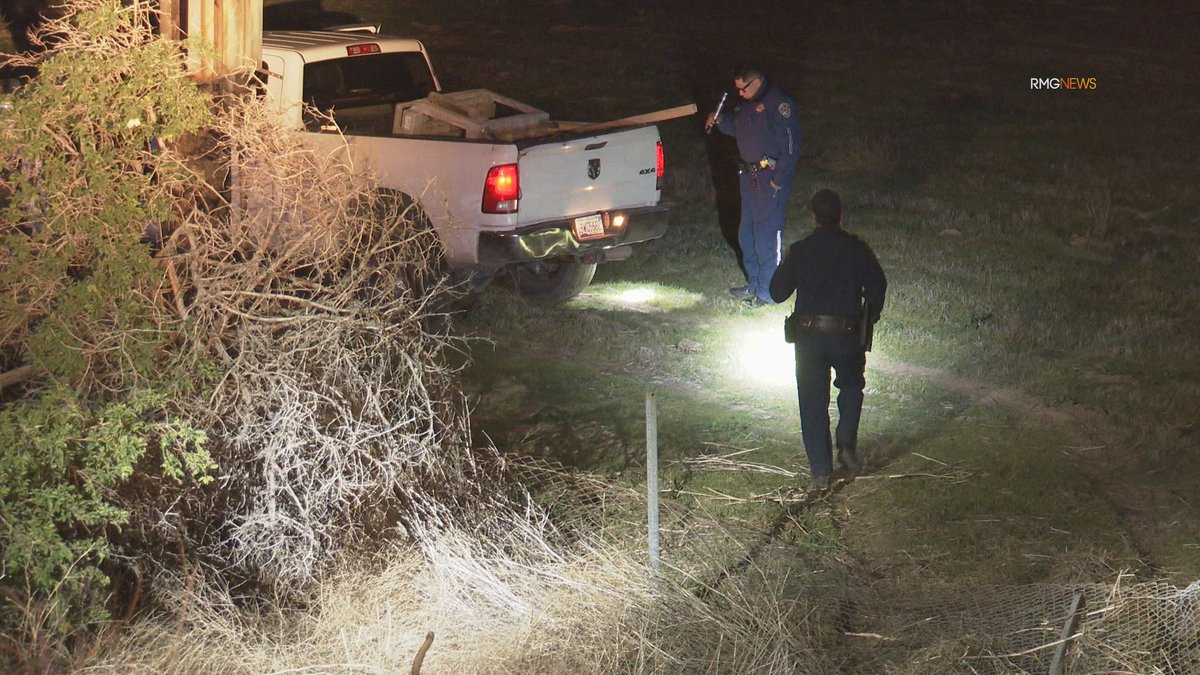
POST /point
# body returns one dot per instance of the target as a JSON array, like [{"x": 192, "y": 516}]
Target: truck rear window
[{"x": 370, "y": 80}]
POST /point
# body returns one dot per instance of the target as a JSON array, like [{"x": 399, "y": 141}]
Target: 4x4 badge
[{"x": 593, "y": 169}]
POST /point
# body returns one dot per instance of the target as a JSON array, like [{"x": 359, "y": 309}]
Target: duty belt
[
  {"x": 754, "y": 167},
  {"x": 823, "y": 323}
]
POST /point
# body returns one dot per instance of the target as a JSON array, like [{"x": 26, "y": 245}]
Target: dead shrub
[{"x": 316, "y": 303}]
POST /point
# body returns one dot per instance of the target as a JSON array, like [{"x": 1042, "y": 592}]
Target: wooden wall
[{"x": 232, "y": 29}]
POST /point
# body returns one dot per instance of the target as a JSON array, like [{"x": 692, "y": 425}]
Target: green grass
[{"x": 980, "y": 500}]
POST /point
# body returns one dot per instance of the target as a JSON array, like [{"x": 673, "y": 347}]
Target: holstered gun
[{"x": 866, "y": 327}]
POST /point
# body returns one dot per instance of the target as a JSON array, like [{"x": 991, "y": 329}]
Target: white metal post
[{"x": 652, "y": 480}]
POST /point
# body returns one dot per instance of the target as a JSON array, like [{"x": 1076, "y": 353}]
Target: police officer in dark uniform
[
  {"x": 839, "y": 284},
  {"x": 767, "y": 130}
]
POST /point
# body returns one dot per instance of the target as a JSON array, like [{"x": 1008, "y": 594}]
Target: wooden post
[
  {"x": 170, "y": 23},
  {"x": 231, "y": 29},
  {"x": 1058, "y": 665}
]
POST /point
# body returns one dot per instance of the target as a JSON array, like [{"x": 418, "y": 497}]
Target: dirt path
[{"x": 984, "y": 393}]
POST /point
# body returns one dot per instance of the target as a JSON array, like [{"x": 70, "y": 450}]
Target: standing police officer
[
  {"x": 839, "y": 285},
  {"x": 768, "y": 139}
]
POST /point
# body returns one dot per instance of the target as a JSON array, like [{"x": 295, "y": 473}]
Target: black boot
[{"x": 849, "y": 460}]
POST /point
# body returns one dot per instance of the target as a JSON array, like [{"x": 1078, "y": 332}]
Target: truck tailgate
[{"x": 578, "y": 176}]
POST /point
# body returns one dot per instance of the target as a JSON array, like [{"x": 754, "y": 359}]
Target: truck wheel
[
  {"x": 419, "y": 272},
  {"x": 552, "y": 280},
  {"x": 424, "y": 278}
]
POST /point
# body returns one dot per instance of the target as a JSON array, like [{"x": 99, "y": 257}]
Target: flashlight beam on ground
[{"x": 760, "y": 357}]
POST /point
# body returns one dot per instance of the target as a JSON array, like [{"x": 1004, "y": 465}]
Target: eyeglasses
[{"x": 748, "y": 85}]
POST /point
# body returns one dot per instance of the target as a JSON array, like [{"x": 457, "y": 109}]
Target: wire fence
[
  {"x": 843, "y": 623},
  {"x": 1142, "y": 628}
]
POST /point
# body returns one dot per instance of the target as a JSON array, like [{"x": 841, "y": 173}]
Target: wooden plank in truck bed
[{"x": 636, "y": 120}]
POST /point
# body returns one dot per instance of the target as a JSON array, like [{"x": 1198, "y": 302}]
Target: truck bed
[{"x": 475, "y": 114}]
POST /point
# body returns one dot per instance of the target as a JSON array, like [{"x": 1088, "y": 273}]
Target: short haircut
[
  {"x": 747, "y": 72},
  {"x": 827, "y": 207}
]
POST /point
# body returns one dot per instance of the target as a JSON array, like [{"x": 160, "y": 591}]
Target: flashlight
[{"x": 717, "y": 112}]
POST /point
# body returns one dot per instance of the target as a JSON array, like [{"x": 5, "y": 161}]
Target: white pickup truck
[{"x": 503, "y": 185}]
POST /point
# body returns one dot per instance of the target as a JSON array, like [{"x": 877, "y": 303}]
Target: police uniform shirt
[
  {"x": 831, "y": 271},
  {"x": 767, "y": 126}
]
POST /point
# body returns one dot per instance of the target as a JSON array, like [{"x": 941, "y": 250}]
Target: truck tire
[
  {"x": 552, "y": 280},
  {"x": 401, "y": 219}
]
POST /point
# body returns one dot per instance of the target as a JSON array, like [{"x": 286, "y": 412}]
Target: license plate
[{"x": 589, "y": 227}]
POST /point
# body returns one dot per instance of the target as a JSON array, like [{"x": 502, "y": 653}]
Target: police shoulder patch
[{"x": 785, "y": 109}]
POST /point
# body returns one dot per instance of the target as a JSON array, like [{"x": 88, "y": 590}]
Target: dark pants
[
  {"x": 761, "y": 231},
  {"x": 816, "y": 354}
]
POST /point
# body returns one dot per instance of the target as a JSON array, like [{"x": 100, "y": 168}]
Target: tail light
[
  {"x": 659, "y": 165},
  {"x": 502, "y": 189}
]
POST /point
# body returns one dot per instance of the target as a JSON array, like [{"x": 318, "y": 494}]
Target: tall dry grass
[{"x": 493, "y": 606}]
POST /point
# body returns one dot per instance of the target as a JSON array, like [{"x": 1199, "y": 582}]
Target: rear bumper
[{"x": 555, "y": 238}]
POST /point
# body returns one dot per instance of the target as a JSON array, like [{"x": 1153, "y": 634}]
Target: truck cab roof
[
  {"x": 324, "y": 45},
  {"x": 360, "y": 74}
]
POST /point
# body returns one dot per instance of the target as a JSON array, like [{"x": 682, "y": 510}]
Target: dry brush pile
[
  {"x": 314, "y": 301},
  {"x": 223, "y": 353}
]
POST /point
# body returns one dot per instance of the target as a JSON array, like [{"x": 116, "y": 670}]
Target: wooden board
[
  {"x": 636, "y": 120},
  {"x": 470, "y": 114}
]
